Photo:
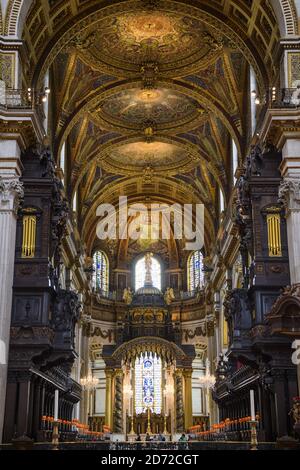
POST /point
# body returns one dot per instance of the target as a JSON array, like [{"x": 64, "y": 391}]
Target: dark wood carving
[{"x": 44, "y": 315}]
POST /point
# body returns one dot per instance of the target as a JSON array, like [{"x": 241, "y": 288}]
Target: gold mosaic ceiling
[
  {"x": 140, "y": 155},
  {"x": 128, "y": 40},
  {"x": 149, "y": 99},
  {"x": 165, "y": 107}
]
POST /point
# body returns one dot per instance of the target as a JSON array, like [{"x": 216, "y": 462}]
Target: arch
[
  {"x": 16, "y": 15},
  {"x": 167, "y": 350},
  {"x": 179, "y": 192},
  {"x": 1, "y": 21},
  {"x": 286, "y": 12},
  {"x": 212, "y": 17},
  {"x": 201, "y": 96},
  {"x": 287, "y": 16}
]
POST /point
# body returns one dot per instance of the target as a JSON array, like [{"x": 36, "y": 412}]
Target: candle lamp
[
  {"x": 253, "y": 423},
  {"x": 55, "y": 422},
  {"x": 148, "y": 420}
]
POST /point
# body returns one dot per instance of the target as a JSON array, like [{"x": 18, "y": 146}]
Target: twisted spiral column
[
  {"x": 118, "y": 411},
  {"x": 179, "y": 401}
]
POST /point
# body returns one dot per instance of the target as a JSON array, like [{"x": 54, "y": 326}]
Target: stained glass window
[
  {"x": 140, "y": 272},
  {"x": 195, "y": 273},
  {"x": 100, "y": 274},
  {"x": 148, "y": 383}
]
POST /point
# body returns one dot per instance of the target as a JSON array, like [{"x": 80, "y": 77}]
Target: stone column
[
  {"x": 108, "y": 398},
  {"x": 118, "y": 408},
  {"x": 179, "y": 401},
  {"x": 76, "y": 409},
  {"x": 10, "y": 194},
  {"x": 84, "y": 369},
  {"x": 289, "y": 194},
  {"x": 188, "y": 409}
]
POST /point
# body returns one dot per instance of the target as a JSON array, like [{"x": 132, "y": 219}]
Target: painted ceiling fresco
[{"x": 148, "y": 100}]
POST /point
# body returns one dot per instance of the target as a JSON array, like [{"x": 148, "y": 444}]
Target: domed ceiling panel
[
  {"x": 162, "y": 106},
  {"x": 136, "y": 157},
  {"x": 129, "y": 40}
]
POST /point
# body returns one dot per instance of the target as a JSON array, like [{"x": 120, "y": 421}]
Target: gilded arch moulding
[
  {"x": 167, "y": 350},
  {"x": 17, "y": 11},
  {"x": 287, "y": 13}
]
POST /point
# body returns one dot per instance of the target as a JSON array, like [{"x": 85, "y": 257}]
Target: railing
[
  {"x": 285, "y": 97},
  {"x": 15, "y": 98},
  {"x": 237, "y": 429},
  {"x": 118, "y": 295}
]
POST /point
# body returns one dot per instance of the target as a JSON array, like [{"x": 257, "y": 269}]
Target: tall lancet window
[
  {"x": 150, "y": 264},
  {"x": 195, "y": 271},
  {"x": 148, "y": 383},
  {"x": 100, "y": 274}
]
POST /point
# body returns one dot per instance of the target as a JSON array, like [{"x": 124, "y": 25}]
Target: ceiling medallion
[
  {"x": 148, "y": 128},
  {"x": 149, "y": 71},
  {"x": 151, "y": 42},
  {"x": 161, "y": 108},
  {"x": 148, "y": 174},
  {"x": 145, "y": 156}
]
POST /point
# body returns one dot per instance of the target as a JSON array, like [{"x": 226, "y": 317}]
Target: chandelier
[
  {"x": 89, "y": 382},
  {"x": 208, "y": 380}
]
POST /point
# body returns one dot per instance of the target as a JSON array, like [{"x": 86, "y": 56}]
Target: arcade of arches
[{"x": 167, "y": 103}]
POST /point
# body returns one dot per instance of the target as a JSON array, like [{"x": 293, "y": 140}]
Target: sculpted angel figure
[
  {"x": 169, "y": 295},
  {"x": 295, "y": 411},
  {"x": 127, "y": 295}
]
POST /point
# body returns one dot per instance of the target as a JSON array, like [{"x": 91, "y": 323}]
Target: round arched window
[
  {"x": 140, "y": 271},
  {"x": 100, "y": 274},
  {"x": 195, "y": 271}
]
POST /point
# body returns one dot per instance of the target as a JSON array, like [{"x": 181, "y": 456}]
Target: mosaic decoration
[
  {"x": 134, "y": 38},
  {"x": 163, "y": 106},
  {"x": 293, "y": 69},
  {"x": 7, "y": 69}
]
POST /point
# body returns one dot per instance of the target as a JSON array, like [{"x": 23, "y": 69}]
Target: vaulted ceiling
[{"x": 148, "y": 94}]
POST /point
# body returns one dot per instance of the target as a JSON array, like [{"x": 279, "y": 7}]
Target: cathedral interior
[{"x": 166, "y": 104}]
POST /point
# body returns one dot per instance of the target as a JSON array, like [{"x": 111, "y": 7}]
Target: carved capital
[
  {"x": 11, "y": 194},
  {"x": 289, "y": 194}
]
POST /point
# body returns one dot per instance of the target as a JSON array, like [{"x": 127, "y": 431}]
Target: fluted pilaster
[
  {"x": 11, "y": 192},
  {"x": 289, "y": 195}
]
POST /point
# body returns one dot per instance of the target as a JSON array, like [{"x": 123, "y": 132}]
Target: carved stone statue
[
  {"x": 169, "y": 295},
  {"x": 66, "y": 314},
  {"x": 127, "y": 295},
  {"x": 254, "y": 162},
  {"x": 222, "y": 369},
  {"x": 295, "y": 411},
  {"x": 237, "y": 311}
]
